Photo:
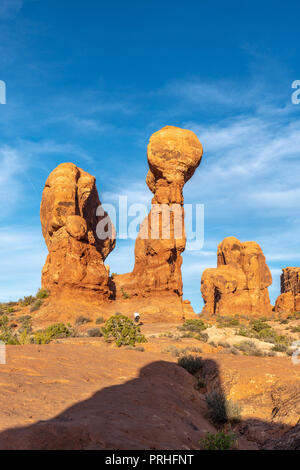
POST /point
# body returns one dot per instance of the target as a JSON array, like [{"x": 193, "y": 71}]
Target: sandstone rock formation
[
  {"x": 289, "y": 300},
  {"x": 239, "y": 284},
  {"x": 173, "y": 156},
  {"x": 69, "y": 208}
]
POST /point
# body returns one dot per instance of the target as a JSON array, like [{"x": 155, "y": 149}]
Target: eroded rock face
[
  {"x": 239, "y": 284},
  {"x": 75, "y": 264},
  {"x": 173, "y": 156},
  {"x": 289, "y": 300}
]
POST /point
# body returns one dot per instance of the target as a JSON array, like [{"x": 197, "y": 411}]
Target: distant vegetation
[
  {"x": 122, "y": 331},
  {"x": 191, "y": 363},
  {"x": 219, "y": 441},
  {"x": 223, "y": 410}
]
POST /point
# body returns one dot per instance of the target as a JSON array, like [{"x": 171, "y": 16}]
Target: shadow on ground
[{"x": 160, "y": 409}]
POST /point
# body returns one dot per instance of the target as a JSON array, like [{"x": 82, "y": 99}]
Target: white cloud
[{"x": 11, "y": 169}]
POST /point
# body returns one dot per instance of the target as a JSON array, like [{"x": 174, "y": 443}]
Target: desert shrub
[
  {"x": 27, "y": 301},
  {"x": 124, "y": 294},
  {"x": 4, "y": 321},
  {"x": 81, "y": 320},
  {"x": 175, "y": 352},
  {"x": 94, "y": 333},
  {"x": 194, "y": 325},
  {"x": 202, "y": 337},
  {"x": 261, "y": 330},
  {"x": 194, "y": 349},
  {"x": 8, "y": 338},
  {"x": 100, "y": 320},
  {"x": 294, "y": 316},
  {"x": 219, "y": 441},
  {"x": 42, "y": 294},
  {"x": 135, "y": 348},
  {"x": 233, "y": 350},
  {"x": 56, "y": 331},
  {"x": 10, "y": 310},
  {"x": 221, "y": 409},
  {"x": 201, "y": 383},
  {"x": 280, "y": 348},
  {"x": 25, "y": 318},
  {"x": 295, "y": 329},
  {"x": 259, "y": 325},
  {"x": 227, "y": 322},
  {"x": 36, "y": 305},
  {"x": 223, "y": 344},
  {"x": 25, "y": 337},
  {"x": 191, "y": 363},
  {"x": 249, "y": 348},
  {"x": 5, "y": 332},
  {"x": 123, "y": 331}
]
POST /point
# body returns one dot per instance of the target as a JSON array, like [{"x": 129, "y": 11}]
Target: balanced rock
[
  {"x": 289, "y": 300},
  {"x": 77, "y": 238},
  {"x": 239, "y": 284},
  {"x": 173, "y": 156}
]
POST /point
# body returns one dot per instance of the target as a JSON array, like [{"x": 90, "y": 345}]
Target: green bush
[
  {"x": 10, "y": 310},
  {"x": 295, "y": 329},
  {"x": 280, "y": 348},
  {"x": 259, "y": 325},
  {"x": 24, "y": 319},
  {"x": 25, "y": 337},
  {"x": 227, "y": 322},
  {"x": 8, "y": 338},
  {"x": 27, "y": 301},
  {"x": 42, "y": 294},
  {"x": 4, "y": 321},
  {"x": 56, "y": 331},
  {"x": 124, "y": 294},
  {"x": 81, "y": 320},
  {"x": 221, "y": 409},
  {"x": 194, "y": 325},
  {"x": 202, "y": 337},
  {"x": 249, "y": 348},
  {"x": 100, "y": 320},
  {"x": 219, "y": 441},
  {"x": 36, "y": 305},
  {"x": 191, "y": 363},
  {"x": 122, "y": 331},
  {"x": 94, "y": 333}
]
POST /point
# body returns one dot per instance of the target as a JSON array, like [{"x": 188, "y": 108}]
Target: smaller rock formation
[
  {"x": 75, "y": 264},
  {"x": 289, "y": 300},
  {"x": 238, "y": 286}
]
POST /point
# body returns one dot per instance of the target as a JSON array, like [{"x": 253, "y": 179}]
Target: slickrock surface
[
  {"x": 90, "y": 396},
  {"x": 239, "y": 284},
  {"x": 125, "y": 399},
  {"x": 289, "y": 300},
  {"x": 173, "y": 156},
  {"x": 75, "y": 264}
]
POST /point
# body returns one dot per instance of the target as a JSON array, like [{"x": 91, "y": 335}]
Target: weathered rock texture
[
  {"x": 289, "y": 300},
  {"x": 173, "y": 156},
  {"x": 75, "y": 264},
  {"x": 239, "y": 284}
]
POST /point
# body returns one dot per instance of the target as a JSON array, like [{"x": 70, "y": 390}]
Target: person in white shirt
[{"x": 136, "y": 317}]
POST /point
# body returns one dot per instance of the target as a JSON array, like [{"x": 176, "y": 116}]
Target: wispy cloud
[{"x": 22, "y": 254}]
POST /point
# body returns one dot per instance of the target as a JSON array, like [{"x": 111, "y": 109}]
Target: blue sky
[{"x": 89, "y": 82}]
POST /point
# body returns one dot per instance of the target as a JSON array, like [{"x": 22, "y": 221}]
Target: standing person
[{"x": 136, "y": 317}]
